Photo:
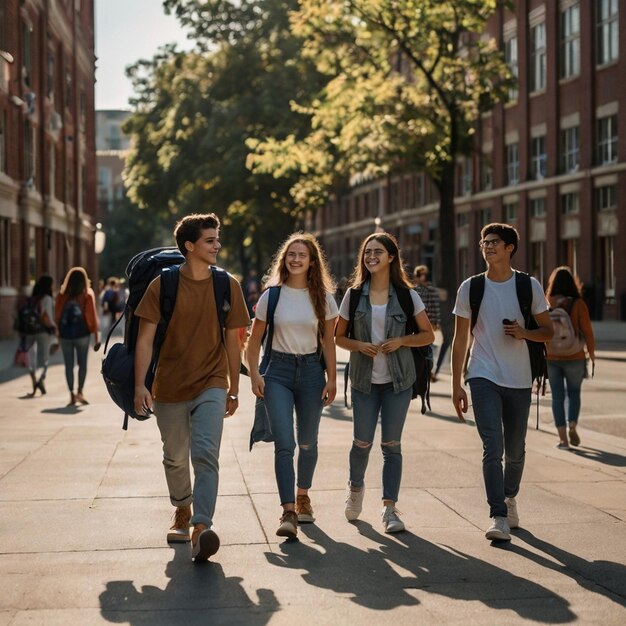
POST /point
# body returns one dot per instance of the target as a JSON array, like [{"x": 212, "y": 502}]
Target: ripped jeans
[{"x": 392, "y": 408}]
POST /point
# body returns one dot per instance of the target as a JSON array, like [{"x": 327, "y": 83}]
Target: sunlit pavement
[{"x": 84, "y": 515}]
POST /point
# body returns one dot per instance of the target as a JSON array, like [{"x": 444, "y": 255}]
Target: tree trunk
[{"x": 447, "y": 232}]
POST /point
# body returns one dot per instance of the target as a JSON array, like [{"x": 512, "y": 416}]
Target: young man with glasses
[{"x": 498, "y": 372}]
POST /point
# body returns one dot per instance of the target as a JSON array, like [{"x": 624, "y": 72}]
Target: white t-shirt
[
  {"x": 495, "y": 356},
  {"x": 295, "y": 323},
  {"x": 380, "y": 367}
]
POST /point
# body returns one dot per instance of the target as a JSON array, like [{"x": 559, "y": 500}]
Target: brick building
[
  {"x": 552, "y": 161},
  {"x": 47, "y": 144}
]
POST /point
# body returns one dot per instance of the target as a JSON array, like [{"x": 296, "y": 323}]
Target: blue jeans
[
  {"x": 560, "y": 374},
  {"x": 501, "y": 419},
  {"x": 392, "y": 408},
  {"x": 80, "y": 348},
  {"x": 294, "y": 381},
  {"x": 195, "y": 428}
]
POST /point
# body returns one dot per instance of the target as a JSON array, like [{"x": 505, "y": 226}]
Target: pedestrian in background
[
  {"x": 294, "y": 380},
  {"x": 39, "y": 344},
  {"x": 76, "y": 319},
  {"x": 382, "y": 371},
  {"x": 566, "y": 372},
  {"x": 498, "y": 371},
  {"x": 428, "y": 294},
  {"x": 196, "y": 384}
]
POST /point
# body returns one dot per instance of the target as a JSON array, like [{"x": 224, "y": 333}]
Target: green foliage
[
  {"x": 195, "y": 111},
  {"x": 407, "y": 80}
]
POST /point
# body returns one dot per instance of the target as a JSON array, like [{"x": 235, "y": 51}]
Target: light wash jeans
[
  {"x": 80, "y": 348},
  {"x": 294, "y": 382},
  {"x": 193, "y": 427},
  {"x": 392, "y": 408},
  {"x": 560, "y": 374},
  {"x": 501, "y": 419},
  {"x": 39, "y": 353}
]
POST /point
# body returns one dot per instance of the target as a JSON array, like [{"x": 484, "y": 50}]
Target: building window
[
  {"x": 510, "y": 56},
  {"x": 569, "y": 203},
  {"x": 2, "y": 142},
  {"x": 608, "y": 265},
  {"x": 538, "y": 57},
  {"x": 29, "y": 154},
  {"x": 607, "y": 31},
  {"x": 570, "y": 149},
  {"x": 510, "y": 212},
  {"x": 5, "y": 252},
  {"x": 484, "y": 217},
  {"x": 465, "y": 182},
  {"x": 538, "y": 260},
  {"x": 538, "y": 207},
  {"x": 419, "y": 191},
  {"x": 570, "y": 254},
  {"x": 463, "y": 266},
  {"x": 606, "y": 198},
  {"x": 486, "y": 173},
  {"x": 512, "y": 164},
  {"x": 27, "y": 56},
  {"x": 462, "y": 219},
  {"x": 607, "y": 140},
  {"x": 538, "y": 158},
  {"x": 50, "y": 77},
  {"x": 570, "y": 41}
]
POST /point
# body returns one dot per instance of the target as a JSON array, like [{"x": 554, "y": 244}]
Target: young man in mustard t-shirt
[{"x": 197, "y": 380}]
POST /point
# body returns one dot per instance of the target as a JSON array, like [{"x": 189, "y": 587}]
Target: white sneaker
[
  {"x": 354, "y": 503},
  {"x": 391, "y": 521},
  {"x": 499, "y": 530},
  {"x": 512, "y": 516}
]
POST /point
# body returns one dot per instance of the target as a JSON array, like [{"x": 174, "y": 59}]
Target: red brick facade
[
  {"x": 47, "y": 144},
  {"x": 552, "y": 161}
]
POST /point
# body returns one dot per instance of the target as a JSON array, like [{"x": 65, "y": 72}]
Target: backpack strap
[
  {"x": 268, "y": 335},
  {"x": 524, "y": 291},
  {"x": 221, "y": 289},
  {"x": 406, "y": 302},
  {"x": 477, "y": 290}
]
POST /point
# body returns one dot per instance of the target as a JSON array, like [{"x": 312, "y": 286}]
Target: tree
[
  {"x": 194, "y": 112},
  {"x": 407, "y": 82}
]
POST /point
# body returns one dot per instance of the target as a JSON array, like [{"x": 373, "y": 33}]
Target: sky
[{"x": 126, "y": 31}]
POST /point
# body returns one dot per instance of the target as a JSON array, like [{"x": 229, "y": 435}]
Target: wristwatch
[{"x": 231, "y": 397}]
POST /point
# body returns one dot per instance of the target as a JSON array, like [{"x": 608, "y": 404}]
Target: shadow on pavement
[
  {"x": 371, "y": 577},
  {"x": 587, "y": 574},
  {"x": 193, "y": 593},
  {"x": 607, "y": 458}
]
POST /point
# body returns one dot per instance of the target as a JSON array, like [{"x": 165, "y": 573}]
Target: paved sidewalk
[{"x": 84, "y": 513}]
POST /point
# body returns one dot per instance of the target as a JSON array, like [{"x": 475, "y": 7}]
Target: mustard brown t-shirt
[{"x": 193, "y": 357}]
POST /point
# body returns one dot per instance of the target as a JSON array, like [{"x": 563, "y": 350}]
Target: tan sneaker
[
  {"x": 204, "y": 543},
  {"x": 288, "y": 525},
  {"x": 304, "y": 510},
  {"x": 179, "y": 532}
]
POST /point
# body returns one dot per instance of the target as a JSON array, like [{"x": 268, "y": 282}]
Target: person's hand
[
  {"x": 513, "y": 329},
  {"x": 329, "y": 392},
  {"x": 232, "y": 404},
  {"x": 258, "y": 385},
  {"x": 459, "y": 399},
  {"x": 96, "y": 346},
  {"x": 143, "y": 401},
  {"x": 368, "y": 349},
  {"x": 391, "y": 345}
]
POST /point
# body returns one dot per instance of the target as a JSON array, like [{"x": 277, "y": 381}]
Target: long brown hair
[
  {"x": 397, "y": 275},
  {"x": 562, "y": 282},
  {"x": 319, "y": 280},
  {"x": 76, "y": 282}
]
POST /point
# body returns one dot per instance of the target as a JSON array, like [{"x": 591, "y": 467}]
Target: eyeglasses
[{"x": 489, "y": 243}]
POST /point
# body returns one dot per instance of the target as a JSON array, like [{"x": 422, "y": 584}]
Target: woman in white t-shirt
[
  {"x": 294, "y": 379},
  {"x": 382, "y": 371}
]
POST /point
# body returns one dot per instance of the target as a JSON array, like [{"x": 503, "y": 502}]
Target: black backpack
[
  {"x": 28, "y": 320},
  {"x": 72, "y": 324},
  {"x": 536, "y": 349},
  {"x": 422, "y": 355},
  {"x": 118, "y": 369}
]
